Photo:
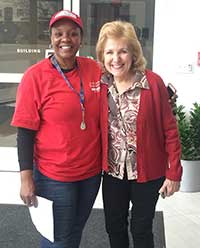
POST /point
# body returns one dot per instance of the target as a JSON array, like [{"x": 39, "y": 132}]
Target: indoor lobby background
[{"x": 169, "y": 33}]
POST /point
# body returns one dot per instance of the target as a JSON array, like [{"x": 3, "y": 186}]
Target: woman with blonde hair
[{"x": 143, "y": 145}]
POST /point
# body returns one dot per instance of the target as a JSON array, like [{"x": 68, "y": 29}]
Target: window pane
[
  {"x": 7, "y": 102},
  {"x": 24, "y": 34},
  {"x": 140, "y": 13},
  {"x": 24, "y": 38}
]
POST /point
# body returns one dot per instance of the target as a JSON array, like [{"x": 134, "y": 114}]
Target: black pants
[{"x": 117, "y": 195}]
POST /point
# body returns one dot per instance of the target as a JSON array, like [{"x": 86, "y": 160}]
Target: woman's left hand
[{"x": 169, "y": 187}]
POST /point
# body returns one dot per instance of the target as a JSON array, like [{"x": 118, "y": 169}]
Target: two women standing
[{"x": 68, "y": 132}]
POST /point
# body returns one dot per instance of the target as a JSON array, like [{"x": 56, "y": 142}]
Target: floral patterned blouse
[{"x": 123, "y": 110}]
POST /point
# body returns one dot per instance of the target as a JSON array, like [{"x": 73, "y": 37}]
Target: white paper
[{"x": 42, "y": 218}]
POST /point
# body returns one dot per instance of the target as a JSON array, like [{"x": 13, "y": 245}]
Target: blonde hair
[{"x": 125, "y": 30}]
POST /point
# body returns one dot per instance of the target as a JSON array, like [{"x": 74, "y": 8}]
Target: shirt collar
[{"x": 140, "y": 81}]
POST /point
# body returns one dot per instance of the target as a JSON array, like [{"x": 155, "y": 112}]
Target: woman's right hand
[{"x": 27, "y": 190}]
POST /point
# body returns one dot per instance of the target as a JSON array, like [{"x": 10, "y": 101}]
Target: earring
[{"x": 50, "y": 46}]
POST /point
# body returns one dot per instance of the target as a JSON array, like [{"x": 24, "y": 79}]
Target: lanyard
[{"x": 80, "y": 94}]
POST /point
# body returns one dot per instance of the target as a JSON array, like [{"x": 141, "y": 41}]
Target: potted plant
[{"x": 189, "y": 130}]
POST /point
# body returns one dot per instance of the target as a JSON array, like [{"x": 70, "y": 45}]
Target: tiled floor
[{"x": 181, "y": 218}]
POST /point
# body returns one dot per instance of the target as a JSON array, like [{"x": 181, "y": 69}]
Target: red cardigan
[{"x": 158, "y": 144}]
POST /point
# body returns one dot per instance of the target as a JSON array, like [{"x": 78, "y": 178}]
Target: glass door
[
  {"x": 94, "y": 13},
  {"x": 24, "y": 40},
  {"x": 24, "y": 34}
]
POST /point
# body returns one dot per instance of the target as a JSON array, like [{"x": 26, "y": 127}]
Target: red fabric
[
  {"x": 68, "y": 15},
  {"x": 158, "y": 145},
  {"x": 45, "y": 103}
]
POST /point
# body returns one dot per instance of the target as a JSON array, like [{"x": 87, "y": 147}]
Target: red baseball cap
[{"x": 66, "y": 14}]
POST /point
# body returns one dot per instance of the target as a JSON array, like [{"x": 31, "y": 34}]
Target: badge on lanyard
[{"x": 80, "y": 94}]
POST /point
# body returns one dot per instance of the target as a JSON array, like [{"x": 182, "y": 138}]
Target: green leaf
[{"x": 189, "y": 130}]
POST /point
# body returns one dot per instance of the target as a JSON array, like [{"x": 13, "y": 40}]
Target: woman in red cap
[{"x": 59, "y": 115}]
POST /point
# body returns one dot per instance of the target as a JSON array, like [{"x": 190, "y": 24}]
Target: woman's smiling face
[
  {"x": 66, "y": 39},
  {"x": 117, "y": 57}
]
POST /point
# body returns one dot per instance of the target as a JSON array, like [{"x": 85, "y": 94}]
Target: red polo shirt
[{"x": 45, "y": 103}]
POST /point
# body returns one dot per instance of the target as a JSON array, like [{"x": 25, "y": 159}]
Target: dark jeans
[
  {"x": 117, "y": 194},
  {"x": 72, "y": 204}
]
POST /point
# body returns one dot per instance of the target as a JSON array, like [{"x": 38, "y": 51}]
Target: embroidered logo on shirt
[{"x": 95, "y": 86}]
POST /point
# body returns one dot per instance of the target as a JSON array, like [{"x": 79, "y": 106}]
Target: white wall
[{"x": 176, "y": 45}]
